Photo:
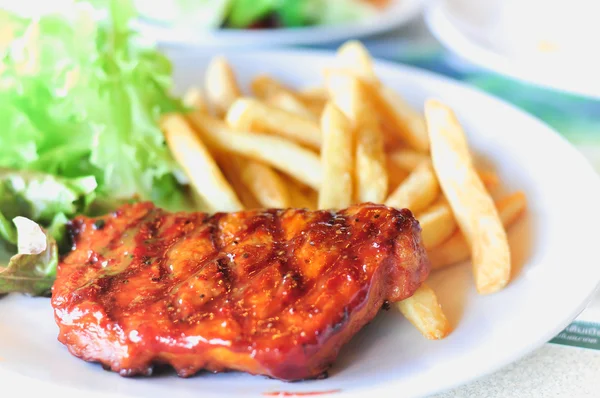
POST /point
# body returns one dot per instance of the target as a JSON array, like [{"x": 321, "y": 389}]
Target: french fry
[
  {"x": 423, "y": 310},
  {"x": 313, "y": 197},
  {"x": 314, "y": 98},
  {"x": 418, "y": 191},
  {"x": 471, "y": 204},
  {"x": 336, "y": 159},
  {"x": 232, "y": 167},
  {"x": 401, "y": 118},
  {"x": 314, "y": 93},
  {"x": 265, "y": 86},
  {"x": 437, "y": 225},
  {"x": 356, "y": 57},
  {"x": 266, "y": 185},
  {"x": 316, "y": 107},
  {"x": 195, "y": 159},
  {"x": 277, "y": 94},
  {"x": 395, "y": 112},
  {"x": 220, "y": 85},
  {"x": 407, "y": 159},
  {"x": 396, "y": 175},
  {"x": 194, "y": 99},
  {"x": 301, "y": 196},
  {"x": 248, "y": 114},
  {"x": 350, "y": 96},
  {"x": 391, "y": 142},
  {"x": 489, "y": 178},
  {"x": 456, "y": 250},
  {"x": 277, "y": 152},
  {"x": 290, "y": 103}
]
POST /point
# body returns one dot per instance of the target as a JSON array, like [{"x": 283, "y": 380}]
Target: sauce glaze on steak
[{"x": 271, "y": 292}]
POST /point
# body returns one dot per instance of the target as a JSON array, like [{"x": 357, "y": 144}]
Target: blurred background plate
[
  {"x": 163, "y": 30},
  {"x": 546, "y": 43}
]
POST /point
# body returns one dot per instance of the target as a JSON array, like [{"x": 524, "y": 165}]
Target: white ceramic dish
[
  {"x": 398, "y": 13},
  {"x": 505, "y": 40},
  {"x": 554, "y": 250}
]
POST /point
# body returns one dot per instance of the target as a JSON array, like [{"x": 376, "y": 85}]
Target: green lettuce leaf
[
  {"x": 244, "y": 13},
  {"x": 82, "y": 96},
  {"x": 295, "y": 13},
  {"x": 41, "y": 197},
  {"x": 32, "y": 200},
  {"x": 33, "y": 269},
  {"x": 7, "y": 231}
]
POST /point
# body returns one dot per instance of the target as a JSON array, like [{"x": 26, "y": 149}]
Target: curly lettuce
[
  {"x": 240, "y": 14},
  {"x": 33, "y": 269},
  {"x": 82, "y": 96},
  {"x": 34, "y": 210}
]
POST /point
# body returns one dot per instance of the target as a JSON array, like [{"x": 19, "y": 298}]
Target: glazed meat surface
[{"x": 271, "y": 292}]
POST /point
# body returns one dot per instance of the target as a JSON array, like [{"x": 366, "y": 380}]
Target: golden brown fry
[
  {"x": 264, "y": 86},
  {"x": 350, "y": 95},
  {"x": 290, "y": 103},
  {"x": 456, "y": 250},
  {"x": 511, "y": 207},
  {"x": 407, "y": 159},
  {"x": 220, "y": 85},
  {"x": 391, "y": 142},
  {"x": 277, "y": 152},
  {"x": 472, "y": 205},
  {"x": 396, "y": 175},
  {"x": 418, "y": 191},
  {"x": 423, "y": 310},
  {"x": 314, "y": 93},
  {"x": 336, "y": 159},
  {"x": 354, "y": 56},
  {"x": 371, "y": 172},
  {"x": 248, "y": 114},
  {"x": 266, "y": 185},
  {"x": 316, "y": 107},
  {"x": 315, "y": 99},
  {"x": 489, "y": 178},
  {"x": 401, "y": 118},
  {"x": 301, "y": 197},
  {"x": 394, "y": 111},
  {"x": 437, "y": 225},
  {"x": 232, "y": 166},
  {"x": 194, "y": 99},
  {"x": 197, "y": 162}
]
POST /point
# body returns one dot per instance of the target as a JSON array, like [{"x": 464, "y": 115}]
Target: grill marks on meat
[{"x": 273, "y": 292}]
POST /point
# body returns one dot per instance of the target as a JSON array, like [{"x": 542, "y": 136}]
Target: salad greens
[
  {"x": 81, "y": 96},
  {"x": 33, "y": 269},
  {"x": 212, "y": 14},
  {"x": 42, "y": 197},
  {"x": 50, "y": 200}
]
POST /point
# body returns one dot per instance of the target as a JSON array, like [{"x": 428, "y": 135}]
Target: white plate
[
  {"x": 496, "y": 39},
  {"x": 555, "y": 251},
  {"x": 398, "y": 13}
]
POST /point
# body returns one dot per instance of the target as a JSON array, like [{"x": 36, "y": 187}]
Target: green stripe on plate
[{"x": 580, "y": 334}]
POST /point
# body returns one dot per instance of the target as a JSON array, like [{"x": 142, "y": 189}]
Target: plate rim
[
  {"x": 385, "y": 388},
  {"x": 312, "y": 35}
]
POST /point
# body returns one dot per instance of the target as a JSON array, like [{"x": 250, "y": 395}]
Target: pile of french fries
[{"x": 350, "y": 140}]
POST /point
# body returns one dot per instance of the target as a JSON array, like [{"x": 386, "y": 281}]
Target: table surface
[{"x": 569, "y": 366}]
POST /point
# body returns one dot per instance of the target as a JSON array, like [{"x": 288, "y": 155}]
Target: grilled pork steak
[{"x": 271, "y": 292}]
